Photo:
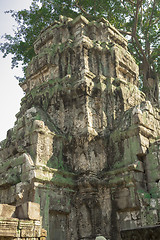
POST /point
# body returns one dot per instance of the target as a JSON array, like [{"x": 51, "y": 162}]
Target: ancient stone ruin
[
  {"x": 21, "y": 222},
  {"x": 85, "y": 145}
]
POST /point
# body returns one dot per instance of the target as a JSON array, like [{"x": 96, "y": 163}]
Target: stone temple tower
[{"x": 85, "y": 145}]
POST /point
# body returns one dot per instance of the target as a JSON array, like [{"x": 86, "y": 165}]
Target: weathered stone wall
[{"x": 85, "y": 145}]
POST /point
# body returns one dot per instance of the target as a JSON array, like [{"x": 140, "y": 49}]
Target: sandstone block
[
  {"x": 8, "y": 228},
  {"x": 28, "y": 210},
  {"x": 26, "y": 228},
  {"x": 100, "y": 238},
  {"x": 43, "y": 233},
  {"x": 6, "y": 210},
  {"x": 42, "y": 238}
]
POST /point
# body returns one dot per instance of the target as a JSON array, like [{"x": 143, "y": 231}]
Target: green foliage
[
  {"x": 147, "y": 32},
  {"x": 138, "y": 19}
]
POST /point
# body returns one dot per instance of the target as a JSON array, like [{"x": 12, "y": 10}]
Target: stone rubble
[{"x": 14, "y": 226}]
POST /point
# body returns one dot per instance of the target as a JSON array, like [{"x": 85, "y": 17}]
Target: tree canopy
[{"x": 137, "y": 19}]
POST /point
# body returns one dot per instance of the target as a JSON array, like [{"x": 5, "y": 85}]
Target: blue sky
[{"x": 10, "y": 92}]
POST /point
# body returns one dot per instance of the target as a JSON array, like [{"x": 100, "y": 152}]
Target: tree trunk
[{"x": 150, "y": 84}]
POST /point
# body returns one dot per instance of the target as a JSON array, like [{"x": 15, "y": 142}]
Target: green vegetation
[{"x": 137, "y": 19}]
